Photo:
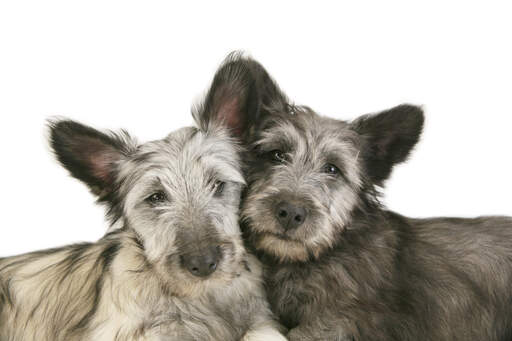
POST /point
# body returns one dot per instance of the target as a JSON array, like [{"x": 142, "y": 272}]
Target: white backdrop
[{"x": 140, "y": 65}]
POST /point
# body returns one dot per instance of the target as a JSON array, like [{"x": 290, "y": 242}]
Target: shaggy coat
[
  {"x": 176, "y": 269},
  {"x": 107, "y": 291},
  {"x": 338, "y": 265}
]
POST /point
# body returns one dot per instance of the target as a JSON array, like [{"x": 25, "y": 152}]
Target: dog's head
[
  {"x": 179, "y": 196},
  {"x": 307, "y": 174}
]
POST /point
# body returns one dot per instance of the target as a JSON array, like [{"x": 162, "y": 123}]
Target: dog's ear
[
  {"x": 88, "y": 154},
  {"x": 240, "y": 95},
  {"x": 388, "y": 138}
]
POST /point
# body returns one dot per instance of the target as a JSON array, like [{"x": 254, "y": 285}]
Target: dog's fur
[
  {"x": 132, "y": 284},
  {"x": 354, "y": 270}
]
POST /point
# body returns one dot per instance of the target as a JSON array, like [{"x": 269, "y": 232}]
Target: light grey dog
[
  {"x": 338, "y": 265},
  {"x": 175, "y": 270}
]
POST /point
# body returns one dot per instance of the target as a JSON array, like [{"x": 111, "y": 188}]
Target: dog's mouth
[
  {"x": 281, "y": 247},
  {"x": 287, "y": 236},
  {"x": 301, "y": 244},
  {"x": 268, "y": 226}
]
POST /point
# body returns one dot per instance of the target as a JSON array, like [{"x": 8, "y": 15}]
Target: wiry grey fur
[
  {"x": 132, "y": 284},
  {"x": 352, "y": 270}
]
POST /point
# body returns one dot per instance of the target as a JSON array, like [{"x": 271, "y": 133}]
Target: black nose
[
  {"x": 203, "y": 263},
  {"x": 289, "y": 215}
]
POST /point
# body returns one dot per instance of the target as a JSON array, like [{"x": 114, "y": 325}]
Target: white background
[{"x": 140, "y": 66}]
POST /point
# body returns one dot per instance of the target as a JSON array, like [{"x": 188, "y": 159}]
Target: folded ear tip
[
  {"x": 410, "y": 115},
  {"x": 54, "y": 124},
  {"x": 56, "y": 128},
  {"x": 416, "y": 111},
  {"x": 410, "y": 108},
  {"x": 238, "y": 56},
  {"x": 60, "y": 125},
  {"x": 240, "y": 62},
  {"x": 60, "y": 129}
]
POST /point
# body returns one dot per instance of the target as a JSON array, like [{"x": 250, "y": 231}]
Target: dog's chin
[
  {"x": 283, "y": 247},
  {"x": 298, "y": 245},
  {"x": 198, "y": 286}
]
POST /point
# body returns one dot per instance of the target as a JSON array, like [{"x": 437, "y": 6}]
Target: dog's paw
[
  {"x": 264, "y": 334},
  {"x": 297, "y": 334}
]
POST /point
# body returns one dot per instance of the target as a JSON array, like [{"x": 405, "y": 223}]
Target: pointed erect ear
[
  {"x": 388, "y": 138},
  {"x": 240, "y": 95},
  {"x": 88, "y": 154}
]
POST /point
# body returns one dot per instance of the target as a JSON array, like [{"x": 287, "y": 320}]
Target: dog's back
[
  {"x": 450, "y": 279},
  {"x": 459, "y": 274},
  {"x": 53, "y": 294}
]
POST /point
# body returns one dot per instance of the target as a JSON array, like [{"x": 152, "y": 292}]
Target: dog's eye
[
  {"x": 277, "y": 156},
  {"x": 218, "y": 187},
  {"x": 331, "y": 169},
  {"x": 156, "y": 198}
]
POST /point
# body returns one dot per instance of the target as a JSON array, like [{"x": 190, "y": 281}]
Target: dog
[
  {"x": 176, "y": 269},
  {"x": 337, "y": 264}
]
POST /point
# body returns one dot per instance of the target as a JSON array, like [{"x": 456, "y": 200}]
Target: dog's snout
[
  {"x": 290, "y": 216},
  {"x": 202, "y": 263}
]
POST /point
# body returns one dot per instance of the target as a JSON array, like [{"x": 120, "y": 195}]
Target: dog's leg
[
  {"x": 264, "y": 332},
  {"x": 314, "y": 332}
]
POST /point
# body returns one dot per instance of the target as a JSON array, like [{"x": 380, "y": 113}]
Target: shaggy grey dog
[
  {"x": 338, "y": 265},
  {"x": 175, "y": 270}
]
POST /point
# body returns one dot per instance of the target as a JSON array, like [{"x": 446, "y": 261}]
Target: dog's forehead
[
  {"x": 304, "y": 126},
  {"x": 316, "y": 126},
  {"x": 191, "y": 152}
]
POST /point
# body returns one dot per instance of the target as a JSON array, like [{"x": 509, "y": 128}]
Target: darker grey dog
[{"x": 338, "y": 264}]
